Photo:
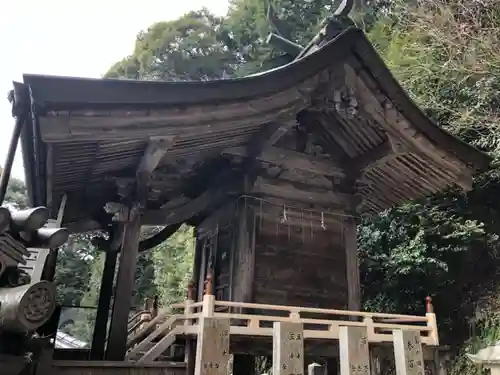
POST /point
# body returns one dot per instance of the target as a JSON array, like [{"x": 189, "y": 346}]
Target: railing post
[
  {"x": 154, "y": 308},
  {"x": 209, "y": 298},
  {"x": 370, "y": 330},
  {"x": 288, "y": 348},
  {"x": 354, "y": 353},
  {"x": 189, "y": 301},
  {"x": 431, "y": 321},
  {"x": 408, "y": 352},
  {"x": 145, "y": 317},
  {"x": 212, "y": 351}
]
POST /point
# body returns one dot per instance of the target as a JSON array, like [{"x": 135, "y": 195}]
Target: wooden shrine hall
[{"x": 274, "y": 171}]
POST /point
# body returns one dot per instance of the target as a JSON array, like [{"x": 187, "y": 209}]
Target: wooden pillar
[
  {"x": 105, "y": 295},
  {"x": 244, "y": 254},
  {"x": 212, "y": 350},
  {"x": 408, "y": 352},
  {"x": 352, "y": 264},
  {"x": 288, "y": 348},
  {"x": 190, "y": 346},
  {"x": 354, "y": 354},
  {"x": 118, "y": 332}
]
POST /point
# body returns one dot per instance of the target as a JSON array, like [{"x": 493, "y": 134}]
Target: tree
[
  {"x": 193, "y": 47},
  {"x": 173, "y": 262},
  {"x": 17, "y": 195}
]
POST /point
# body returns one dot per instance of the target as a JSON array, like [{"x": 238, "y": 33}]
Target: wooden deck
[{"x": 116, "y": 368}]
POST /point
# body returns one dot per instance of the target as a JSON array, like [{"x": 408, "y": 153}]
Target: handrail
[
  {"x": 147, "y": 328},
  {"x": 298, "y": 309},
  {"x": 153, "y": 335},
  {"x": 318, "y": 323},
  {"x": 136, "y": 315}
]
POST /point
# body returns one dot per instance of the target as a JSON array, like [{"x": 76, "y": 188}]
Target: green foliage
[
  {"x": 17, "y": 195},
  {"x": 173, "y": 263},
  {"x": 446, "y": 54},
  {"x": 193, "y": 47}
]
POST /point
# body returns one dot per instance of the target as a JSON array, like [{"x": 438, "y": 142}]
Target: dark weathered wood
[
  {"x": 221, "y": 186},
  {"x": 176, "y": 215},
  {"x": 244, "y": 255},
  {"x": 301, "y": 191},
  {"x": 352, "y": 264},
  {"x": 300, "y": 265},
  {"x": 118, "y": 332},
  {"x": 190, "y": 356},
  {"x": 103, "y": 306},
  {"x": 292, "y": 160},
  {"x": 115, "y": 368},
  {"x": 375, "y": 157}
]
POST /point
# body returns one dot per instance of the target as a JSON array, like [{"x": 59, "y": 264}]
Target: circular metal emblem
[{"x": 39, "y": 304}]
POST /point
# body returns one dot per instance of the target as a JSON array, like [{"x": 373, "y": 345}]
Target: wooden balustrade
[{"x": 315, "y": 323}]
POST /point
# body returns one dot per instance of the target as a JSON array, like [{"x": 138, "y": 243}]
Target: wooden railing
[{"x": 323, "y": 324}]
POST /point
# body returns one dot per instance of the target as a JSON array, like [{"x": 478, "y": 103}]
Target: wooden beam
[
  {"x": 226, "y": 183},
  {"x": 169, "y": 216},
  {"x": 118, "y": 331},
  {"x": 301, "y": 192},
  {"x": 292, "y": 160}
]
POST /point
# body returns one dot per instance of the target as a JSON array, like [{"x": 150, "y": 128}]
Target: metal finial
[
  {"x": 209, "y": 286},
  {"x": 428, "y": 305}
]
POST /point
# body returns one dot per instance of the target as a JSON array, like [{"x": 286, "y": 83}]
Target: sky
[{"x": 73, "y": 38}]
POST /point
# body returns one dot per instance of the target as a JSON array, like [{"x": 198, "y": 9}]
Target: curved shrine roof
[{"x": 355, "y": 123}]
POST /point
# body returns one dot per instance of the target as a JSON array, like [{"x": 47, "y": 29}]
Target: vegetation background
[{"x": 446, "y": 54}]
